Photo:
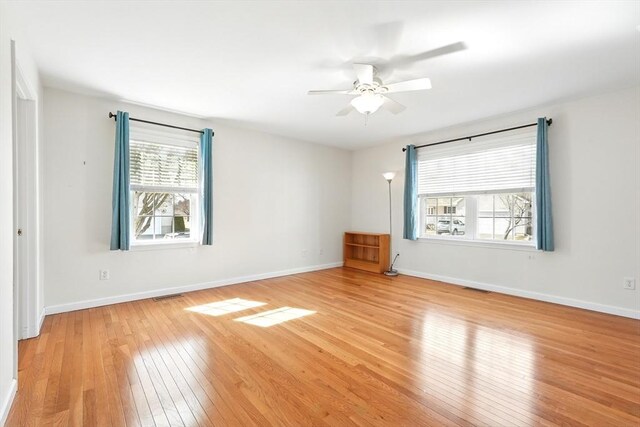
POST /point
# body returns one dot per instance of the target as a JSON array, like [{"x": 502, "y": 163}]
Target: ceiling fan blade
[
  {"x": 444, "y": 50},
  {"x": 364, "y": 73},
  {"x": 392, "y": 106},
  {"x": 332, "y": 92},
  {"x": 346, "y": 110},
  {"x": 409, "y": 85},
  {"x": 405, "y": 60}
]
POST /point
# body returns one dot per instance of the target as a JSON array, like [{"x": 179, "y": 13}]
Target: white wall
[
  {"x": 9, "y": 30},
  {"x": 273, "y": 199},
  {"x": 595, "y": 157}
]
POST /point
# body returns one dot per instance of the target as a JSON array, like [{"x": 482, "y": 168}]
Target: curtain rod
[
  {"x": 111, "y": 115},
  {"x": 549, "y": 121}
]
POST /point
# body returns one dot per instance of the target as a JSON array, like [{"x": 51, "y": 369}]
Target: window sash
[
  {"x": 471, "y": 220},
  {"x": 194, "y": 215}
]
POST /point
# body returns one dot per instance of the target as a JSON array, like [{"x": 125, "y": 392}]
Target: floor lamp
[{"x": 390, "y": 272}]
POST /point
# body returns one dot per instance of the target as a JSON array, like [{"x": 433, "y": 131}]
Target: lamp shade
[
  {"x": 367, "y": 103},
  {"x": 389, "y": 175}
]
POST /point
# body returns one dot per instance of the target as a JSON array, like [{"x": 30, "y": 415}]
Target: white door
[
  {"x": 25, "y": 190},
  {"x": 22, "y": 277}
]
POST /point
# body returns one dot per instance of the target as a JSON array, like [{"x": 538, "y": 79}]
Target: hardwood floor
[{"x": 377, "y": 351}]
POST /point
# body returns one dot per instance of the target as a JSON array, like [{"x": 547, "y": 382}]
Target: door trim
[{"x": 26, "y": 205}]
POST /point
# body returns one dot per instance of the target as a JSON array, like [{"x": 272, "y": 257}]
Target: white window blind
[
  {"x": 492, "y": 164},
  {"x": 163, "y": 167}
]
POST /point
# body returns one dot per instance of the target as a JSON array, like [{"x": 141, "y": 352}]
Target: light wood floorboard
[{"x": 377, "y": 351}]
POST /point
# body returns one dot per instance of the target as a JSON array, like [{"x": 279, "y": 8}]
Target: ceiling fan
[{"x": 369, "y": 92}]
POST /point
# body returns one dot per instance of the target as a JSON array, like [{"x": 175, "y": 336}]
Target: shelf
[
  {"x": 366, "y": 251},
  {"x": 362, "y": 246},
  {"x": 362, "y": 260}
]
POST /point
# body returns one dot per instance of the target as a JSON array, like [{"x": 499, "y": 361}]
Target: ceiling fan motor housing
[{"x": 376, "y": 86}]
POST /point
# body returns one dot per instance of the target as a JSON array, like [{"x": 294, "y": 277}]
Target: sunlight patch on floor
[
  {"x": 273, "y": 317},
  {"x": 221, "y": 308}
]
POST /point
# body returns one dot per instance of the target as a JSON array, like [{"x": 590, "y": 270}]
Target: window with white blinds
[
  {"x": 163, "y": 167},
  {"x": 165, "y": 187},
  {"x": 486, "y": 165}
]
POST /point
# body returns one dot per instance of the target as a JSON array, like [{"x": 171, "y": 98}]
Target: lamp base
[{"x": 391, "y": 272}]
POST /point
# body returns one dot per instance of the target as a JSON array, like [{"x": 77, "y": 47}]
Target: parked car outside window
[{"x": 453, "y": 227}]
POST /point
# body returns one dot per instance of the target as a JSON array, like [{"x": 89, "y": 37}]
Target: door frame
[{"x": 26, "y": 190}]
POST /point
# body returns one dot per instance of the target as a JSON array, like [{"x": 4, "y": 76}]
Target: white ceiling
[{"x": 251, "y": 63}]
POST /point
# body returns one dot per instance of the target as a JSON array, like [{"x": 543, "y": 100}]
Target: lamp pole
[{"x": 390, "y": 272}]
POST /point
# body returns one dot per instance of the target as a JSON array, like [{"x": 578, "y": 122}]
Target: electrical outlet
[
  {"x": 304, "y": 253},
  {"x": 321, "y": 251},
  {"x": 629, "y": 283},
  {"x": 104, "y": 275}
]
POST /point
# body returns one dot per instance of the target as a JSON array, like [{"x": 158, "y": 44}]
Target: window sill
[
  {"x": 529, "y": 246},
  {"x": 164, "y": 245}
]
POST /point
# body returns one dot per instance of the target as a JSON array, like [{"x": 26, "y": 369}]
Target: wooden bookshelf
[{"x": 366, "y": 251}]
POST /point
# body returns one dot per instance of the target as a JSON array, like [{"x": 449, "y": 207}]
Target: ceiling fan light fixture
[{"x": 367, "y": 103}]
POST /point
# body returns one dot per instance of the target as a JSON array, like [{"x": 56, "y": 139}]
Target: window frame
[
  {"x": 167, "y": 137},
  {"x": 451, "y": 188},
  {"x": 471, "y": 217}
]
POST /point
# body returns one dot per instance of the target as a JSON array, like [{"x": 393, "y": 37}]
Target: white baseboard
[
  {"x": 7, "y": 401},
  {"x": 43, "y": 313},
  {"x": 80, "y": 305},
  {"x": 609, "y": 309}
]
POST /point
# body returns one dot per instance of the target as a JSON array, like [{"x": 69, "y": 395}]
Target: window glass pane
[
  {"x": 503, "y": 230},
  {"x": 182, "y": 204},
  {"x": 484, "y": 228},
  {"x": 458, "y": 227},
  {"x": 181, "y": 228},
  {"x": 143, "y": 227},
  {"x": 432, "y": 206},
  {"x": 163, "y": 204},
  {"x": 485, "y": 205},
  {"x": 164, "y": 226},
  {"x": 142, "y": 203},
  {"x": 523, "y": 232},
  {"x": 444, "y": 206},
  {"x": 430, "y": 225}
]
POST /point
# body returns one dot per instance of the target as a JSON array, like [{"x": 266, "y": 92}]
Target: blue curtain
[
  {"x": 411, "y": 194},
  {"x": 120, "y": 221},
  {"x": 206, "y": 148},
  {"x": 544, "y": 222}
]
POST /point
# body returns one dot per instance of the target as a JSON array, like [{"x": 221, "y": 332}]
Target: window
[
  {"x": 481, "y": 190},
  {"x": 164, "y": 187}
]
